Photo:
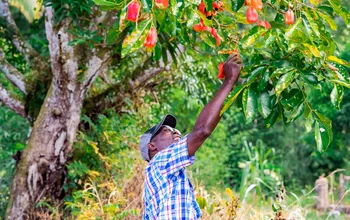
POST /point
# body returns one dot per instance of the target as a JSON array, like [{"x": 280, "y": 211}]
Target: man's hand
[
  {"x": 210, "y": 115},
  {"x": 232, "y": 67}
]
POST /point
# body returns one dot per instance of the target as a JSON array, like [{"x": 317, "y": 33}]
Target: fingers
[{"x": 234, "y": 58}]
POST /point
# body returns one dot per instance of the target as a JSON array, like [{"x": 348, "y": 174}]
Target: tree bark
[{"x": 41, "y": 171}]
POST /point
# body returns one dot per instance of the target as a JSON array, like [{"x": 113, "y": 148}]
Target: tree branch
[
  {"x": 115, "y": 95},
  {"x": 96, "y": 66},
  {"x": 11, "y": 73},
  {"x": 31, "y": 56},
  {"x": 11, "y": 102},
  {"x": 100, "y": 55}
]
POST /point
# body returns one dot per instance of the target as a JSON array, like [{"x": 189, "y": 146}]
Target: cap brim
[{"x": 169, "y": 120}]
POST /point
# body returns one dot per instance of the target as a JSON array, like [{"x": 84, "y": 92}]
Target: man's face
[{"x": 165, "y": 137}]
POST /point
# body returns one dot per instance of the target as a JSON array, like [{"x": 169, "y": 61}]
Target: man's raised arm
[{"x": 210, "y": 115}]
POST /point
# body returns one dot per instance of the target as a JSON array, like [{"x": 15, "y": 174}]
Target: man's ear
[{"x": 151, "y": 146}]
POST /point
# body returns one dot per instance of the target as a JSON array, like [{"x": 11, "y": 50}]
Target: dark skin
[{"x": 207, "y": 119}]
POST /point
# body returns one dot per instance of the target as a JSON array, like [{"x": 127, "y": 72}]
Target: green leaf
[
  {"x": 170, "y": 24},
  {"x": 284, "y": 81},
  {"x": 135, "y": 40},
  {"x": 296, "y": 113},
  {"x": 293, "y": 30},
  {"x": 312, "y": 22},
  {"x": 157, "y": 51},
  {"x": 308, "y": 29},
  {"x": 147, "y": 5},
  {"x": 255, "y": 73},
  {"x": 271, "y": 119},
  {"x": 264, "y": 104},
  {"x": 329, "y": 20},
  {"x": 323, "y": 131},
  {"x": 122, "y": 18},
  {"x": 249, "y": 101},
  {"x": 202, "y": 202},
  {"x": 105, "y": 3},
  {"x": 313, "y": 49},
  {"x": 253, "y": 35},
  {"x": 208, "y": 5},
  {"x": 208, "y": 39},
  {"x": 318, "y": 137},
  {"x": 314, "y": 2},
  {"x": 337, "y": 95},
  {"x": 237, "y": 4},
  {"x": 160, "y": 17},
  {"x": 307, "y": 112},
  {"x": 308, "y": 123},
  {"x": 233, "y": 95},
  {"x": 340, "y": 10},
  {"x": 281, "y": 71},
  {"x": 341, "y": 82},
  {"x": 292, "y": 98},
  {"x": 206, "y": 21},
  {"x": 263, "y": 82},
  {"x": 240, "y": 18},
  {"x": 309, "y": 78},
  {"x": 339, "y": 61}
]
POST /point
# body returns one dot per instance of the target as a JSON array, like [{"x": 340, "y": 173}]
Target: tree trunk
[{"x": 41, "y": 171}]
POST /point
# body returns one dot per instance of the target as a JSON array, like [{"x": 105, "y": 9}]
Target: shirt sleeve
[{"x": 175, "y": 157}]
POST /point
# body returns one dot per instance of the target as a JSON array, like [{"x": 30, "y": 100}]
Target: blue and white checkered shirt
[{"x": 168, "y": 193}]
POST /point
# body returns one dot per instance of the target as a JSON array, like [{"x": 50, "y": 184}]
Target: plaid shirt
[{"x": 168, "y": 194}]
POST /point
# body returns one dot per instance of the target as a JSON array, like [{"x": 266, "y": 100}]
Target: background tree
[{"x": 98, "y": 46}]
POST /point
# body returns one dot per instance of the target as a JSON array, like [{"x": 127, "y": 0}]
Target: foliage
[
  {"x": 290, "y": 72},
  {"x": 13, "y": 133},
  {"x": 276, "y": 80},
  {"x": 104, "y": 159},
  {"x": 12, "y": 139},
  {"x": 104, "y": 200},
  {"x": 217, "y": 206}
]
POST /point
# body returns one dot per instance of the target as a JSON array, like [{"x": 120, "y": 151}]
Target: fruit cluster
[
  {"x": 201, "y": 27},
  {"x": 133, "y": 13},
  {"x": 252, "y": 16},
  {"x": 217, "y": 6},
  {"x": 252, "y": 13}
]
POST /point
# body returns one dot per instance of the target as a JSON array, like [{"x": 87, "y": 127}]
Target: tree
[{"x": 89, "y": 44}]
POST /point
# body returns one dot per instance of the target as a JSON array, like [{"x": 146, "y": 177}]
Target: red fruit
[
  {"x": 257, "y": 4},
  {"x": 205, "y": 28},
  {"x": 218, "y": 6},
  {"x": 198, "y": 27},
  {"x": 162, "y": 4},
  {"x": 264, "y": 24},
  {"x": 289, "y": 17},
  {"x": 201, "y": 8},
  {"x": 133, "y": 11},
  {"x": 261, "y": 23},
  {"x": 247, "y": 2},
  {"x": 151, "y": 38},
  {"x": 252, "y": 15},
  {"x": 221, "y": 5},
  {"x": 221, "y": 73}
]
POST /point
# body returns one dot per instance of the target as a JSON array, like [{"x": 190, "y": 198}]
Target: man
[{"x": 168, "y": 194}]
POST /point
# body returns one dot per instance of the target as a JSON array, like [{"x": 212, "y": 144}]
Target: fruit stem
[{"x": 276, "y": 9}]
